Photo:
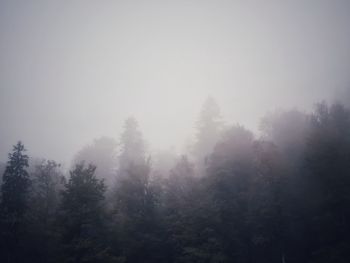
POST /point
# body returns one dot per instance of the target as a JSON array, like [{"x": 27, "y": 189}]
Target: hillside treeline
[{"x": 282, "y": 196}]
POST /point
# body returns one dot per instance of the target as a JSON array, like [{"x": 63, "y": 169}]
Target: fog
[
  {"x": 174, "y": 131},
  {"x": 72, "y": 71}
]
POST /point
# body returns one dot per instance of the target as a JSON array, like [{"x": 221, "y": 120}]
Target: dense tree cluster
[{"x": 283, "y": 197}]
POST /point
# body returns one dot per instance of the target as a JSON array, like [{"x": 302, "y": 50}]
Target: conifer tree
[
  {"x": 15, "y": 183},
  {"x": 209, "y": 126},
  {"x": 14, "y": 191},
  {"x": 82, "y": 217},
  {"x": 132, "y": 145}
]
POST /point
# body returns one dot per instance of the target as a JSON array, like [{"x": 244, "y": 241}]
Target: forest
[{"x": 278, "y": 195}]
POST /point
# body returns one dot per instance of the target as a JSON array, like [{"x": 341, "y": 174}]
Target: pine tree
[
  {"x": 209, "y": 126},
  {"x": 102, "y": 153},
  {"x": 229, "y": 183},
  {"x": 135, "y": 204},
  {"x": 47, "y": 182},
  {"x": 82, "y": 217},
  {"x": 14, "y": 191},
  {"x": 328, "y": 161},
  {"x": 132, "y": 145},
  {"x": 15, "y": 183}
]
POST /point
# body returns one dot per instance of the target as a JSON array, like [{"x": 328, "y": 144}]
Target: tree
[
  {"x": 2, "y": 170},
  {"x": 281, "y": 163},
  {"x": 47, "y": 182},
  {"x": 229, "y": 182},
  {"x": 328, "y": 163},
  {"x": 163, "y": 161},
  {"x": 102, "y": 153},
  {"x": 268, "y": 213},
  {"x": 180, "y": 212},
  {"x": 180, "y": 182},
  {"x": 15, "y": 183},
  {"x": 136, "y": 217},
  {"x": 82, "y": 217},
  {"x": 132, "y": 145},
  {"x": 14, "y": 204},
  {"x": 288, "y": 130},
  {"x": 209, "y": 126}
]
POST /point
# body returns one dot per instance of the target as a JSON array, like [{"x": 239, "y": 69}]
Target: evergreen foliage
[{"x": 283, "y": 197}]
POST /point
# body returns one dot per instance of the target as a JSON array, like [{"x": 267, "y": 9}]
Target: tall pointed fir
[
  {"x": 82, "y": 217},
  {"x": 14, "y": 191},
  {"x": 135, "y": 200},
  {"x": 132, "y": 145},
  {"x": 15, "y": 182},
  {"x": 209, "y": 126}
]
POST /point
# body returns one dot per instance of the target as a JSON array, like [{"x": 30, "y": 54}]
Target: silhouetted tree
[
  {"x": 209, "y": 125},
  {"x": 102, "y": 153},
  {"x": 136, "y": 216},
  {"x": 229, "y": 183},
  {"x": 328, "y": 160},
  {"x": 82, "y": 217},
  {"x": 288, "y": 130},
  {"x": 132, "y": 145},
  {"x": 14, "y": 203},
  {"x": 180, "y": 214},
  {"x": 281, "y": 198},
  {"x": 162, "y": 162},
  {"x": 47, "y": 182}
]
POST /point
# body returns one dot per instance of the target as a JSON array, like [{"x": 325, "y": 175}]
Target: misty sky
[{"x": 71, "y": 71}]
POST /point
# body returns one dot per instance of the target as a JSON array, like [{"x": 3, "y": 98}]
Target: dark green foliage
[
  {"x": 136, "y": 218},
  {"x": 15, "y": 183},
  {"x": 283, "y": 198},
  {"x": 82, "y": 217},
  {"x": 102, "y": 153},
  {"x": 132, "y": 146},
  {"x": 43, "y": 238},
  {"x": 209, "y": 125},
  {"x": 328, "y": 161},
  {"x": 180, "y": 190},
  {"x": 14, "y": 203}
]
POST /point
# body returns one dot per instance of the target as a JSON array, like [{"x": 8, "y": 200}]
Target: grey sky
[{"x": 71, "y": 71}]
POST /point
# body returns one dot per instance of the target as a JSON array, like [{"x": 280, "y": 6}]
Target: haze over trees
[
  {"x": 103, "y": 153},
  {"x": 209, "y": 125},
  {"x": 175, "y": 131},
  {"x": 234, "y": 197}
]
